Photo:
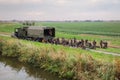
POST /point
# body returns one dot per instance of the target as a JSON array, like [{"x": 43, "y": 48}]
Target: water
[{"x": 11, "y": 69}]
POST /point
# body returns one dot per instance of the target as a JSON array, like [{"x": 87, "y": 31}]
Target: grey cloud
[{"x": 60, "y": 9}]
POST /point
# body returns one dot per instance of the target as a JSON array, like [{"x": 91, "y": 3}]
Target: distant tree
[
  {"x": 27, "y": 23},
  {"x": 33, "y": 23},
  {"x": 23, "y": 23}
]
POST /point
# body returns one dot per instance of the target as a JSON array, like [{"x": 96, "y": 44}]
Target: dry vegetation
[{"x": 68, "y": 66}]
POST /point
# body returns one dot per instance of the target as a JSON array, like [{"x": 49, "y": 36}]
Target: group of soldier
[{"x": 84, "y": 44}]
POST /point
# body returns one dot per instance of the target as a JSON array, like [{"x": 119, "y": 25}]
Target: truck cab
[{"x": 20, "y": 32}]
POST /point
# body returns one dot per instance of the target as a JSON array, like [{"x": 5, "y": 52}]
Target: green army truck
[{"x": 37, "y": 33}]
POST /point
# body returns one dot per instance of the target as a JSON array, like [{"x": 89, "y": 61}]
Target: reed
[{"x": 76, "y": 66}]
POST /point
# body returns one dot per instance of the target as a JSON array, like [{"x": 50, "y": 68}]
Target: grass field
[
  {"x": 101, "y": 28},
  {"x": 70, "y": 63},
  {"x": 73, "y": 29},
  {"x": 9, "y": 27}
]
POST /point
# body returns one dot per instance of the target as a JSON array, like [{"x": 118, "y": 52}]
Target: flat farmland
[
  {"x": 106, "y": 31},
  {"x": 97, "y": 28}
]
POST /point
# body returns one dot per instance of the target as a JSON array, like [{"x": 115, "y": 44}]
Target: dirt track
[
  {"x": 114, "y": 54},
  {"x": 102, "y": 52},
  {"x": 5, "y": 35}
]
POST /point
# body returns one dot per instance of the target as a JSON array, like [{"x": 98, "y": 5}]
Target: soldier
[
  {"x": 86, "y": 43},
  {"x": 50, "y": 32},
  {"x": 101, "y": 44},
  {"x": 49, "y": 41},
  {"x": 94, "y": 44},
  {"x": 43, "y": 40},
  {"x": 105, "y": 44},
  {"x": 62, "y": 41},
  {"x": 52, "y": 41},
  {"x": 58, "y": 41},
  {"x": 79, "y": 44},
  {"x": 74, "y": 42},
  {"x": 70, "y": 42},
  {"x": 82, "y": 42},
  {"x": 89, "y": 45},
  {"x": 55, "y": 41},
  {"x": 67, "y": 42}
]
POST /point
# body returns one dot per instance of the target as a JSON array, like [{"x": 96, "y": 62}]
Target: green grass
[
  {"x": 69, "y": 63},
  {"x": 101, "y": 28},
  {"x": 114, "y": 50},
  {"x": 64, "y": 29},
  {"x": 8, "y": 27},
  {"x": 71, "y": 51}
]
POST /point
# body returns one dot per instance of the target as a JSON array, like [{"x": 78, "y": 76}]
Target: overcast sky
[{"x": 60, "y": 9}]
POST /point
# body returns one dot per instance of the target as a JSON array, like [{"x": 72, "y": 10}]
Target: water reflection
[{"x": 11, "y": 69}]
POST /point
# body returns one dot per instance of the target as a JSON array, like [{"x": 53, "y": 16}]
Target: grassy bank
[{"x": 66, "y": 62}]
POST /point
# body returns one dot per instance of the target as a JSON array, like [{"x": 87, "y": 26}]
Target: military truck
[{"x": 37, "y": 33}]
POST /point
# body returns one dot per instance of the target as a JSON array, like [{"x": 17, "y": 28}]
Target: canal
[{"x": 12, "y": 69}]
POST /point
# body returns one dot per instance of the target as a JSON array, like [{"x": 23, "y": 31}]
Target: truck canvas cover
[{"x": 36, "y": 31}]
